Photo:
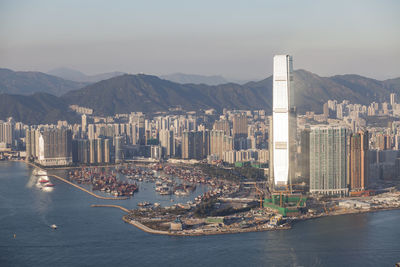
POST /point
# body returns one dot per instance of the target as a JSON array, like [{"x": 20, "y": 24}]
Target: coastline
[
  {"x": 159, "y": 232},
  {"x": 147, "y": 229}
]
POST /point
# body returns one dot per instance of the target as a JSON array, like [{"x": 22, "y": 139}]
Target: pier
[{"x": 85, "y": 190}]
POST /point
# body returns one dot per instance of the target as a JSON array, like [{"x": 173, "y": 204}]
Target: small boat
[
  {"x": 53, "y": 226},
  {"x": 181, "y": 193},
  {"x": 49, "y": 185},
  {"x": 42, "y": 181},
  {"x": 41, "y": 173}
]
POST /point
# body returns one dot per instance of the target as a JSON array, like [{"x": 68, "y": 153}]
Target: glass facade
[{"x": 283, "y": 121}]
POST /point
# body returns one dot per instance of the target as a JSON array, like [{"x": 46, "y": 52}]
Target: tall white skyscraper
[{"x": 283, "y": 121}]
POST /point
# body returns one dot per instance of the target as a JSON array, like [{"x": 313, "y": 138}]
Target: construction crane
[
  {"x": 287, "y": 191},
  {"x": 260, "y": 193}
]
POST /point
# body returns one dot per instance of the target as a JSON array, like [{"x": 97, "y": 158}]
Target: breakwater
[{"x": 77, "y": 186}]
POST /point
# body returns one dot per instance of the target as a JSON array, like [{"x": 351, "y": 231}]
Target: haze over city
[
  {"x": 199, "y": 133},
  {"x": 235, "y": 39}
]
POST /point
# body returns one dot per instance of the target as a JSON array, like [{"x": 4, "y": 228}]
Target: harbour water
[{"x": 89, "y": 236}]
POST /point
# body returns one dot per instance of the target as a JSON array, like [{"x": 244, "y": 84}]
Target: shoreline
[{"x": 147, "y": 229}]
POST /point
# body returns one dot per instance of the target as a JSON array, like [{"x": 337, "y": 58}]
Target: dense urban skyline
[{"x": 233, "y": 39}]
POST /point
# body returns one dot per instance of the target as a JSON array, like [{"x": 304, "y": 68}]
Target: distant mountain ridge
[
  {"x": 183, "y": 78},
  {"x": 28, "y": 82},
  {"x": 37, "y": 108},
  {"x": 77, "y": 76},
  {"x": 149, "y": 93}
]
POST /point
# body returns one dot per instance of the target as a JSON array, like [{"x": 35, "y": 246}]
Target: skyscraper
[
  {"x": 239, "y": 126},
  {"x": 192, "y": 145},
  {"x": 358, "y": 163},
  {"x": 328, "y": 150},
  {"x": 283, "y": 121},
  {"x": 55, "y": 147},
  {"x": 84, "y": 122},
  {"x": 393, "y": 99}
]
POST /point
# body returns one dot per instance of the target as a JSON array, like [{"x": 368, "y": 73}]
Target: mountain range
[
  {"x": 28, "y": 82},
  {"x": 77, "y": 76},
  {"x": 36, "y": 108},
  {"x": 147, "y": 93},
  {"x": 194, "y": 78}
]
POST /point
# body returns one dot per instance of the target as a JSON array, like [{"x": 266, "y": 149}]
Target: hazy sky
[{"x": 236, "y": 39}]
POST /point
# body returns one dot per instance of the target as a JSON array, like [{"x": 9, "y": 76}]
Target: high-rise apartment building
[
  {"x": 358, "y": 162},
  {"x": 84, "y": 122},
  {"x": 167, "y": 142},
  {"x": 393, "y": 99},
  {"x": 328, "y": 160},
  {"x": 192, "y": 145},
  {"x": 283, "y": 122},
  {"x": 55, "y": 147},
  {"x": 7, "y": 133},
  {"x": 219, "y": 143},
  {"x": 118, "y": 148},
  {"x": 222, "y": 125},
  {"x": 304, "y": 156},
  {"x": 239, "y": 129}
]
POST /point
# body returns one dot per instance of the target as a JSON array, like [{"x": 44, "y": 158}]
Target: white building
[{"x": 283, "y": 122}]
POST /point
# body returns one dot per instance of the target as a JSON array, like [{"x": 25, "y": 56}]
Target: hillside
[
  {"x": 146, "y": 93},
  {"x": 149, "y": 93},
  {"x": 28, "y": 82},
  {"x": 35, "y": 109}
]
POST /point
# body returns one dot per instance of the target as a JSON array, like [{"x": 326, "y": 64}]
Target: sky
[{"x": 235, "y": 39}]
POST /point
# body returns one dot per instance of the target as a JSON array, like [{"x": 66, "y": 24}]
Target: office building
[{"x": 283, "y": 122}]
